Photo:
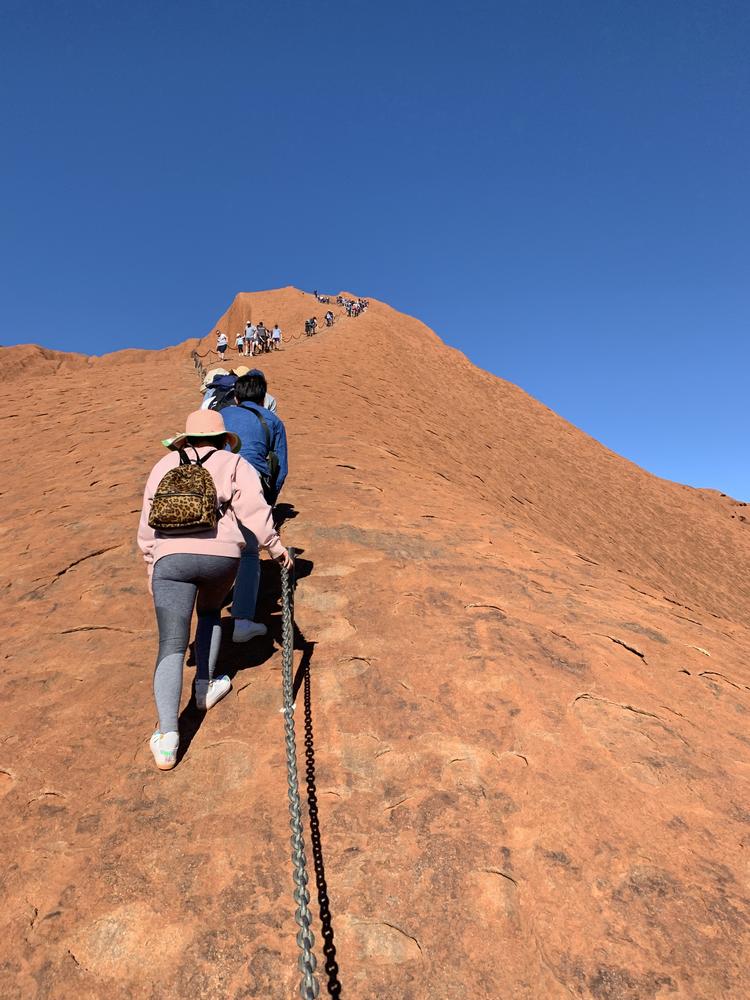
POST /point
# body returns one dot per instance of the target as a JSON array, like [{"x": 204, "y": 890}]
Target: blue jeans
[{"x": 248, "y": 578}]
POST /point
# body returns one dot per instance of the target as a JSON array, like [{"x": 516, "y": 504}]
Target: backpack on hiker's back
[{"x": 185, "y": 501}]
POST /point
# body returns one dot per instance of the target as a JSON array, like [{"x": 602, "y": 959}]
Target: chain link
[{"x": 309, "y": 986}]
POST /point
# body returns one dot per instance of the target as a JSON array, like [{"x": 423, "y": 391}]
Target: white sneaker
[
  {"x": 244, "y": 630},
  {"x": 207, "y": 693},
  {"x": 164, "y": 748}
]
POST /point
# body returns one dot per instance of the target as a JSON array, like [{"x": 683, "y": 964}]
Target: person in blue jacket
[{"x": 264, "y": 446}]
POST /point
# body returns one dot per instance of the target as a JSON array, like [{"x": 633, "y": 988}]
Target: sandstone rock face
[{"x": 530, "y": 683}]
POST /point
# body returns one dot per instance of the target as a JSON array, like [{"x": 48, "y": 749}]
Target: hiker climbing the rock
[
  {"x": 270, "y": 401},
  {"x": 261, "y": 337},
  {"x": 239, "y": 342},
  {"x": 329, "y": 318},
  {"x": 221, "y": 343},
  {"x": 276, "y": 337},
  {"x": 250, "y": 332},
  {"x": 264, "y": 447},
  {"x": 190, "y": 536},
  {"x": 218, "y": 389},
  {"x": 311, "y": 326}
]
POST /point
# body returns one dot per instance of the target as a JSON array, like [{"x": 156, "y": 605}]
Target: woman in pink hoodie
[{"x": 183, "y": 567}]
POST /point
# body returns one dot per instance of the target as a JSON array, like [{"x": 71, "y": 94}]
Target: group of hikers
[
  {"x": 207, "y": 511},
  {"x": 353, "y": 307},
  {"x": 260, "y": 340},
  {"x": 251, "y": 341}
]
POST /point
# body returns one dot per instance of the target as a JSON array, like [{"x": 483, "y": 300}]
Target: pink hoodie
[{"x": 237, "y": 481}]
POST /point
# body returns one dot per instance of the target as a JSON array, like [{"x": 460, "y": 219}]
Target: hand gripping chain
[{"x": 309, "y": 987}]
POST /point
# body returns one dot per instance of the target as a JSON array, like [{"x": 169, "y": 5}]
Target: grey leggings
[{"x": 176, "y": 581}]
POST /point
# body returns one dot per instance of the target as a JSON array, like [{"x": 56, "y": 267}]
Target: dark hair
[
  {"x": 250, "y": 389},
  {"x": 213, "y": 441}
]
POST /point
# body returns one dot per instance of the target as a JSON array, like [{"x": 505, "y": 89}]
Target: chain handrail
[
  {"x": 309, "y": 986},
  {"x": 198, "y": 364}
]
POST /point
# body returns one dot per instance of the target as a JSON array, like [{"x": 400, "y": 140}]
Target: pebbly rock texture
[{"x": 529, "y": 695}]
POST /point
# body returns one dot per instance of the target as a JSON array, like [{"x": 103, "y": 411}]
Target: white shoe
[
  {"x": 164, "y": 747},
  {"x": 244, "y": 630},
  {"x": 207, "y": 693}
]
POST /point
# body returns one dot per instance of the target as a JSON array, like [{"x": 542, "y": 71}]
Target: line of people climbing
[
  {"x": 252, "y": 340},
  {"x": 207, "y": 511},
  {"x": 353, "y": 307}
]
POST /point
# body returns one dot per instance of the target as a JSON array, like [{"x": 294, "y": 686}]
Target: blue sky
[{"x": 559, "y": 189}]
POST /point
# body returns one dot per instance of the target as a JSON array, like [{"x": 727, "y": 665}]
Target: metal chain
[
  {"x": 198, "y": 364},
  {"x": 309, "y": 986}
]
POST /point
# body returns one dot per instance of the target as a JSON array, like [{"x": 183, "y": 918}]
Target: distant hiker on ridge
[
  {"x": 192, "y": 545},
  {"x": 264, "y": 447}
]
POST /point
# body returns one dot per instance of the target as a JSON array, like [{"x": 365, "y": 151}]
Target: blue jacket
[{"x": 253, "y": 437}]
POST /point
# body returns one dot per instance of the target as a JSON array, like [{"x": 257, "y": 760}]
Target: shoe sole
[
  {"x": 162, "y": 766},
  {"x": 165, "y": 767}
]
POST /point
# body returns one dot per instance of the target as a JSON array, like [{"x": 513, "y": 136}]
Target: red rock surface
[{"x": 530, "y": 693}]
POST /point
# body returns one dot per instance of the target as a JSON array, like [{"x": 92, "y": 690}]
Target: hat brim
[{"x": 175, "y": 443}]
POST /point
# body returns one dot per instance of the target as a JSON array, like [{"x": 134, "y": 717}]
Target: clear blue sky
[{"x": 559, "y": 189}]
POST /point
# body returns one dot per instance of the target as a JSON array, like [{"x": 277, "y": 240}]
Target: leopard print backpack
[{"x": 185, "y": 500}]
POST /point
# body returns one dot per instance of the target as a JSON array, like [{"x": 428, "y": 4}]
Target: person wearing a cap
[
  {"x": 185, "y": 569},
  {"x": 219, "y": 392},
  {"x": 207, "y": 387}
]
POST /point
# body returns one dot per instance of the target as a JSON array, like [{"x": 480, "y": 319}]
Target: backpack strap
[
  {"x": 260, "y": 417},
  {"x": 185, "y": 458}
]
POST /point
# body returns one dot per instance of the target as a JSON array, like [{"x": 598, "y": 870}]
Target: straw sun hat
[{"x": 203, "y": 423}]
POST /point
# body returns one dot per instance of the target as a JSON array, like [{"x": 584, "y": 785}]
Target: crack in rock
[
  {"x": 619, "y": 642},
  {"x": 98, "y": 628},
  {"x": 77, "y": 562},
  {"x": 496, "y": 871}
]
